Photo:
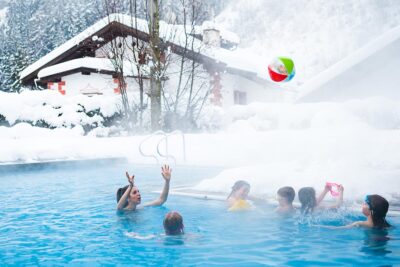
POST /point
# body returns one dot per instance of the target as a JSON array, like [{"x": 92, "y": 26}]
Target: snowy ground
[{"x": 356, "y": 143}]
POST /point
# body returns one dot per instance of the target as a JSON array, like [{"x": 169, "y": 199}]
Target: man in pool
[{"x": 129, "y": 197}]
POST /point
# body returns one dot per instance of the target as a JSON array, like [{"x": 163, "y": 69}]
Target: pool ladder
[{"x": 164, "y": 138}]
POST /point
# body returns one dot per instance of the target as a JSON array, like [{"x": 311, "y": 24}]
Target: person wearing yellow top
[{"x": 237, "y": 199}]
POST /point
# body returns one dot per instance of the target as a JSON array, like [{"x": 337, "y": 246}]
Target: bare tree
[
  {"x": 155, "y": 58},
  {"x": 193, "y": 88},
  {"x": 138, "y": 49},
  {"x": 155, "y": 68},
  {"x": 116, "y": 52}
]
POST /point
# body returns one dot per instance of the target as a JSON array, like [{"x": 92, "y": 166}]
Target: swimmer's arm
[
  {"x": 122, "y": 201},
  {"x": 166, "y": 174},
  {"x": 349, "y": 226},
  {"x": 322, "y": 195},
  {"x": 339, "y": 200}
]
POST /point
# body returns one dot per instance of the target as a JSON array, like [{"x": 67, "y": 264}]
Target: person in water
[
  {"x": 309, "y": 201},
  {"x": 237, "y": 199},
  {"x": 173, "y": 223},
  {"x": 375, "y": 208},
  {"x": 285, "y": 197},
  {"x": 129, "y": 197},
  {"x": 173, "y": 226}
]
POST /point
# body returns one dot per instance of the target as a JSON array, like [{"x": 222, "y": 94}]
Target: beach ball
[{"x": 281, "y": 69}]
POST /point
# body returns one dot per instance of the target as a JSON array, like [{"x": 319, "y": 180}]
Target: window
[{"x": 240, "y": 98}]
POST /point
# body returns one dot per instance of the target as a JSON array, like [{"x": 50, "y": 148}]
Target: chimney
[{"x": 211, "y": 35}]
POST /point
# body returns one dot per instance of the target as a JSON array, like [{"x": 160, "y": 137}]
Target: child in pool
[
  {"x": 375, "y": 208},
  {"x": 173, "y": 223},
  {"x": 237, "y": 199},
  {"x": 309, "y": 202},
  {"x": 129, "y": 197},
  {"x": 285, "y": 196},
  {"x": 173, "y": 226}
]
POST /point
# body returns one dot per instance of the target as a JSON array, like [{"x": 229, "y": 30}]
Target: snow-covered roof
[
  {"x": 349, "y": 62},
  {"x": 78, "y": 39},
  {"x": 99, "y": 64},
  {"x": 171, "y": 34}
]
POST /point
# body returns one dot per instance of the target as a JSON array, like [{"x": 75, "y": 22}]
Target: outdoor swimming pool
[{"x": 65, "y": 214}]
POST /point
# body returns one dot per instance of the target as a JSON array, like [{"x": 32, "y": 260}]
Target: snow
[
  {"x": 224, "y": 33},
  {"x": 55, "y": 109},
  {"x": 315, "y": 34},
  {"x": 363, "y": 61},
  {"x": 3, "y": 13},
  {"x": 100, "y": 64},
  {"x": 356, "y": 143}
]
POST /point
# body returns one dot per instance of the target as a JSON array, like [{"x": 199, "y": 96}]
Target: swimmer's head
[
  {"x": 173, "y": 223},
  {"x": 134, "y": 196},
  {"x": 286, "y": 195},
  {"x": 307, "y": 199},
  {"x": 240, "y": 190},
  {"x": 376, "y": 206}
]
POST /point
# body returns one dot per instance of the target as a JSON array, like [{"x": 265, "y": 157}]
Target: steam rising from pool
[{"x": 356, "y": 143}]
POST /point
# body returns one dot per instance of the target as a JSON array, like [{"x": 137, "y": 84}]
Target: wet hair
[
  {"x": 238, "y": 184},
  {"x": 287, "y": 192},
  {"x": 307, "y": 199},
  {"x": 379, "y": 207},
  {"x": 173, "y": 223},
  {"x": 120, "y": 193}
]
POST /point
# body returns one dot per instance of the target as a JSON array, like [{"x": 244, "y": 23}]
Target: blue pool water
[{"x": 65, "y": 215}]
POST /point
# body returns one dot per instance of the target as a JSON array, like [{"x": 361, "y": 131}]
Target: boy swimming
[
  {"x": 129, "y": 197},
  {"x": 285, "y": 196}
]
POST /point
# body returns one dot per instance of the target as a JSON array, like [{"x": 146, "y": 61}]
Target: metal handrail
[
  {"x": 183, "y": 142},
  {"x": 165, "y": 137},
  {"x": 144, "y": 140},
  {"x": 167, "y": 155}
]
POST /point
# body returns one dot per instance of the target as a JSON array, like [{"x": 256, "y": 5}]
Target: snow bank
[
  {"x": 356, "y": 143},
  {"x": 50, "y": 109},
  {"x": 370, "y": 113}
]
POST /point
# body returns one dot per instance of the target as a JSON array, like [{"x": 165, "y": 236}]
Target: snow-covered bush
[{"x": 49, "y": 109}]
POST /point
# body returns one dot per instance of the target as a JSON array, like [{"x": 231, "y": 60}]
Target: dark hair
[
  {"x": 120, "y": 193},
  {"x": 173, "y": 223},
  {"x": 307, "y": 199},
  {"x": 287, "y": 192},
  {"x": 379, "y": 207},
  {"x": 238, "y": 184}
]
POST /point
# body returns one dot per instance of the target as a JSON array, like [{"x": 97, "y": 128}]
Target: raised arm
[
  {"x": 339, "y": 200},
  {"x": 122, "y": 201},
  {"x": 323, "y": 194},
  {"x": 166, "y": 174}
]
